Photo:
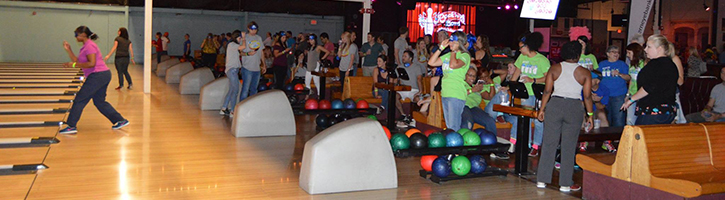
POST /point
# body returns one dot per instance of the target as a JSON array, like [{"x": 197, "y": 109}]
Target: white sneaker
[
  {"x": 574, "y": 187},
  {"x": 512, "y": 148},
  {"x": 540, "y": 185}
]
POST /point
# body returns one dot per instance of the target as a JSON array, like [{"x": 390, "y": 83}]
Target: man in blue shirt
[
  {"x": 615, "y": 75},
  {"x": 187, "y": 46}
]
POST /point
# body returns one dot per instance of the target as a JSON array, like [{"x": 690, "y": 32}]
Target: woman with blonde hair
[
  {"x": 657, "y": 83},
  {"x": 347, "y": 53},
  {"x": 695, "y": 65}
]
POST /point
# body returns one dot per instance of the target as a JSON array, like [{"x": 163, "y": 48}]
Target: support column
[
  {"x": 148, "y": 19},
  {"x": 366, "y": 21}
]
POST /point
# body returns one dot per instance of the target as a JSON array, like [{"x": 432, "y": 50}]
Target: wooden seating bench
[{"x": 661, "y": 162}]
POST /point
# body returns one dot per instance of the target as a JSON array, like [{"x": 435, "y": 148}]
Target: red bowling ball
[
  {"x": 311, "y": 104},
  {"x": 324, "y": 104},
  {"x": 362, "y": 104},
  {"x": 299, "y": 87}
]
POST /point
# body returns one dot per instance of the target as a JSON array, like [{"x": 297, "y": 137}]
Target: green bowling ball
[
  {"x": 399, "y": 141},
  {"x": 471, "y": 139},
  {"x": 436, "y": 140},
  {"x": 463, "y": 131},
  {"x": 372, "y": 117},
  {"x": 460, "y": 165}
]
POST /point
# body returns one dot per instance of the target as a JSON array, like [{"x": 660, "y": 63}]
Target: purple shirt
[{"x": 90, "y": 47}]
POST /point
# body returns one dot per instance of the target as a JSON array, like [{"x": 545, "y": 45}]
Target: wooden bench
[
  {"x": 360, "y": 87},
  {"x": 661, "y": 162}
]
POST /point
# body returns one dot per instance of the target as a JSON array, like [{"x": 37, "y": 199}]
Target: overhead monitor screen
[{"x": 539, "y": 9}]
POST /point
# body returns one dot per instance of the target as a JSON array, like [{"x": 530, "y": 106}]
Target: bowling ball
[
  {"x": 418, "y": 141},
  {"x": 436, "y": 140},
  {"x": 480, "y": 131},
  {"x": 411, "y": 131},
  {"x": 463, "y": 131},
  {"x": 299, "y": 87},
  {"x": 324, "y": 104},
  {"x": 289, "y": 87},
  {"x": 441, "y": 167},
  {"x": 373, "y": 117},
  {"x": 311, "y": 104},
  {"x": 427, "y": 162},
  {"x": 344, "y": 117},
  {"x": 262, "y": 87},
  {"x": 362, "y": 104},
  {"x": 478, "y": 164},
  {"x": 322, "y": 121},
  {"x": 460, "y": 165},
  {"x": 292, "y": 99},
  {"x": 387, "y": 132},
  {"x": 454, "y": 140},
  {"x": 349, "y": 104},
  {"x": 337, "y": 104},
  {"x": 399, "y": 141},
  {"x": 488, "y": 139},
  {"x": 428, "y": 132},
  {"x": 471, "y": 139},
  {"x": 269, "y": 83}
]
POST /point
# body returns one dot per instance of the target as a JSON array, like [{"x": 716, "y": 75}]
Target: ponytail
[
  {"x": 662, "y": 41},
  {"x": 87, "y": 31},
  {"x": 670, "y": 50}
]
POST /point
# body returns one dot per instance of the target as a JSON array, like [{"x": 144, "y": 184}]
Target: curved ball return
[
  {"x": 192, "y": 82},
  {"x": 174, "y": 73},
  {"x": 351, "y": 156},
  {"x": 164, "y": 65},
  {"x": 154, "y": 64},
  {"x": 268, "y": 113},
  {"x": 212, "y": 94}
]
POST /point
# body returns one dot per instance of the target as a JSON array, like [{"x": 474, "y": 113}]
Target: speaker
[{"x": 408, "y": 4}]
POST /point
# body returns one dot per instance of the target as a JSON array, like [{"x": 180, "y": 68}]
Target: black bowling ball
[
  {"x": 322, "y": 121},
  {"x": 418, "y": 141}
]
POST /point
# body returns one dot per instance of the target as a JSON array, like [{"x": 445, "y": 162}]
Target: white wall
[{"x": 25, "y": 37}]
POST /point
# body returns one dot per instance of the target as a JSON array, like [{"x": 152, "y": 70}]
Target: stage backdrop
[{"x": 429, "y": 18}]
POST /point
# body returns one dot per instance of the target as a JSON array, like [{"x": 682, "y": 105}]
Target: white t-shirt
[
  {"x": 232, "y": 60},
  {"x": 164, "y": 43},
  {"x": 718, "y": 93}
]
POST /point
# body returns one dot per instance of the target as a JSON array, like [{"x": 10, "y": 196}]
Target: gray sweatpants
[{"x": 562, "y": 122}]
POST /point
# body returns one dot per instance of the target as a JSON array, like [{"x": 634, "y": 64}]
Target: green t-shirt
[
  {"x": 589, "y": 59},
  {"x": 534, "y": 67},
  {"x": 633, "y": 71},
  {"x": 474, "y": 99},
  {"x": 454, "y": 80}
]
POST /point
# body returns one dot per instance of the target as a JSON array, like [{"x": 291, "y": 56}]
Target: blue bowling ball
[
  {"x": 262, "y": 87},
  {"x": 480, "y": 131},
  {"x": 337, "y": 104},
  {"x": 454, "y": 140},
  {"x": 488, "y": 138},
  {"x": 478, "y": 164},
  {"x": 289, "y": 87},
  {"x": 441, "y": 167},
  {"x": 349, "y": 104}
]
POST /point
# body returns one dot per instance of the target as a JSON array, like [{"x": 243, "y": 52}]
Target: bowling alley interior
[{"x": 362, "y": 99}]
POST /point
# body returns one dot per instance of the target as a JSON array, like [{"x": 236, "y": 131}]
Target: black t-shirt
[
  {"x": 659, "y": 79},
  {"x": 122, "y": 48}
]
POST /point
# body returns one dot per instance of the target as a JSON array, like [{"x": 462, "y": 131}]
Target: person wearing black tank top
[{"x": 482, "y": 51}]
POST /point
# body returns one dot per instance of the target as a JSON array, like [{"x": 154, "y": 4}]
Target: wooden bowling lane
[
  {"x": 40, "y": 74},
  {"x": 38, "y": 68},
  {"x": 38, "y": 86},
  {"x": 37, "y": 91},
  {"x": 33, "y": 117},
  {"x": 19, "y": 156},
  {"x": 21, "y": 99},
  {"x": 59, "y": 70},
  {"x": 25, "y": 76},
  {"x": 16, "y": 186},
  {"x": 50, "y": 131},
  {"x": 33, "y": 106},
  {"x": 38, "y": 81}
]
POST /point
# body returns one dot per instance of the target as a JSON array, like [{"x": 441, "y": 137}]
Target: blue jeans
[
  {"x": 538, "y": 125},
  {"x": 453, "y": 111},
  {"x": 384, "y": 94},
  {"x": 478, "y": 116},
  {"x": 615, "y": 116},
  {"x": 94, "y": 88},
  {"x": 250, "y": 83},
  {"x": 509, "y": 118},
  {"x": 654, "y": 119},
  {"x": 159, "y": 54},
  {"x": 230, "y": 101},
  {"x": 631, "y": 117}
]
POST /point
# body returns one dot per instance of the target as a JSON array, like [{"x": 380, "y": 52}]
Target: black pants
[
  {"x": 280, "y": 75},
  {"x": 209, "y": 59},
  {"x": 94, "y": 88},
  {"x": 122, "y": 69}
]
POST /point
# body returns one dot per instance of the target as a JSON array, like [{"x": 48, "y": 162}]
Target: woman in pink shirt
[{"x": 98, "y": 77}]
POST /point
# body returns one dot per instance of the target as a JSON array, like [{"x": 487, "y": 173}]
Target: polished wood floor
[{"x": 172, "y": 150}]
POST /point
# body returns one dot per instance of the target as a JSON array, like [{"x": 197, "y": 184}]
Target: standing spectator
[
  {"x": 233, "y": 64},
  {"x": 695, "y": 65},
  {"x": 328, "y": 45},
  {"x": 290, "y": 40},
  {"x": 401, "y": 44},
  {"x": 165, "y": 43},
  {"x": 428, "y": 41},
  {"x": 370, "y": 52},
  {"x": 483, "y": 53},
  {"x": 252, "y": 62},
  {"x": 657, "y": 83},
  {"x": 715, "y": 109},
  {"x": 356, "y": 60},
  {"x": 187, "y": 46},
  {"x": 280, "y": 63},
  {"x": 381, "y": 41},
  {"x": 123, "y": 48},
  {"x": 313, "y": 61},
  {"x": 532, "y": 68},
  {"x": 347, "y": 53},
  {"x": 564, "y": 116},
  {"x": 421, "y": 54},
  {"x": 208, "y": 51},
  {"x": 613, "y": 78},
  {"x": 635, "y": 53},
  {"x": 455, "y": 64},
  {"x": 268, "y": 40},
  {"x": 587, "y": 60},
  {"x": 159, "y": 48}
]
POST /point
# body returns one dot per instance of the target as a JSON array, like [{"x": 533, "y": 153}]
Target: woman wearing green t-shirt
[
  {"x": 453, "y": 85},
  {"x": 531, "y": 68},
  {"x": 635, "y": 53},
  {"x": 587, "y": 59}
]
